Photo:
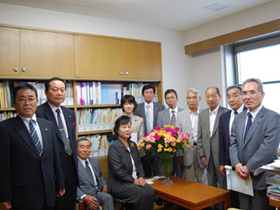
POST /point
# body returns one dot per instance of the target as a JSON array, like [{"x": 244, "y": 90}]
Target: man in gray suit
[
  {"x": 168, "y": 117},
  {"x": 254, "y": 142},
  {"x": 92, "y": 185},
  {"x": 149, "y": 112},
  {"x": 187, "y": 121},
  {"x": 208, "y": 136}
]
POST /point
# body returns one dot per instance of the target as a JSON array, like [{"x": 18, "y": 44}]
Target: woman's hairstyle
[
  {"x": 122, "y": 120},
  {"x": 128, "y": 98}
]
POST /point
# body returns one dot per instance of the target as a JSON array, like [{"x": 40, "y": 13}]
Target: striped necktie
[{"x": 35, "y": 137}]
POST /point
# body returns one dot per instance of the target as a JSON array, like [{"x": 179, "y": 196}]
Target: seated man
[{"x": 92, "y": 188}]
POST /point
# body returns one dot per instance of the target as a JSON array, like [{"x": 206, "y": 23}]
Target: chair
[
  {"x": 124, "y": 204},
  {"x": 82, "y": 205}
]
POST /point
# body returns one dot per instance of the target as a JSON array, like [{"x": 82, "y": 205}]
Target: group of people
[{"x": 44, "y": 167}]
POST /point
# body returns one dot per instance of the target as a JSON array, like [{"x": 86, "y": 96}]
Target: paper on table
[
  {"x": 275, "y": 166},
  {"x": 235, "y": 183},
  {"x": 134, "y": 137}
]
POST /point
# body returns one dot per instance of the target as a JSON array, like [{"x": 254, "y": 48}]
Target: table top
[{"x": 189, "y": 192}]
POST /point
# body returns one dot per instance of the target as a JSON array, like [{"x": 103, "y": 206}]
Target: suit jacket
[
  {"x": 44, "y": 111},
  {"x": 28, "y": 179},
  {"x": 139, "y": 128},
  {"x": 86, "y": 185},
  {"x": 140, "y": 111},
  {"x": 184, "y": 123},
  {"x": 164, "y": 117},
  {"x": 224, "y": 138},
  {"x": 260, "y": 146},
  {"x": 120, "y": 166},
  {"x": 204, "y": 147}
]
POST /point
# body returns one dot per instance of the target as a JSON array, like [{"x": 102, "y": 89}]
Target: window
[{"x": 261, "y": 60}]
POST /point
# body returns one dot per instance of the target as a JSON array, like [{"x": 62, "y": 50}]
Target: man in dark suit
[
  {"x": 254, "y": 142},
  {"x": 235, "y": 102},
  {"x": 208, "y": 137},
  {"x": 92, "y": 188},
  {"x": 29, "y": 159},
  {"x": 64, "y": 121},
  {"x": 149, "y": 112},
  {"x": 168, "y": 117}
]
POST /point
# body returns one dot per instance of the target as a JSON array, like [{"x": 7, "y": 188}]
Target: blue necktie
[
  {"x": 35, "y": 137},
  {"x": 90, "y": 173},
  {"x": 249, "y": 123}
]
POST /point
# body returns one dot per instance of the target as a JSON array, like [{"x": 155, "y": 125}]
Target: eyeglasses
[
  {"x": 194, "y": 97},
  {"x": 24, "y": 100},
  {"x": 251, "y": 93}
]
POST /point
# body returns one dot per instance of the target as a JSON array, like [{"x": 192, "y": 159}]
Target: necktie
[
  {"x": 67, "y": 147},
  {"x": 173, "y": 118},
  {"x": 249, "y": 123},
  {"x": 148, "y": 119},
  {"x": 235, "y": 113},
  {"x": 35, "y": 137},
  {"x": 90, "y": 174}
]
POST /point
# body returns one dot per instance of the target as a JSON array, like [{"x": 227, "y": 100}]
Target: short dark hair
[
  {"x": 234, "y": 86},
  {"x": 217, "y": 90},
  {"x": 122, "y": 120},
  {"x": 82, "y": 139},
  {"x": 170, "y": 91},
  {"x": 47, "y": 83},
  {"x": 24, "y": 86},
  {"x": 148, "y": 86},
  {"x": 128, "y": 98}
]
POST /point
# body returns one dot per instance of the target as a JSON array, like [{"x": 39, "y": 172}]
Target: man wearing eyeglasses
[
  {"x": 169, "y": 117},
  {"x": 254, "y": 142},
  {"x": 31, "y": 175}
]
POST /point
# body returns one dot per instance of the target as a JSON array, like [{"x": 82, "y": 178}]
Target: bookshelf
[{"x": 35, "y": 55}]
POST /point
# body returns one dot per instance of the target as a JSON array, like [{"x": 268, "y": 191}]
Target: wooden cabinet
[
  {"x": 118, "y": 59},
  {"x": 99, "y": 58},
  {"x": 36, "y": 54}
]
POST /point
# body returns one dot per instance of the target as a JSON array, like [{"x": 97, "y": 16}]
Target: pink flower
[
  {"x": 147, "y": 134},
  {"x": 172, "y": 139},
  {"x": 177, "y": 129},
  {"x": 181, "y": 136},
  {"x": 166, "y": 140},
  {"x": 187, "y": 135},
  {"x": 168, "y": 130},
  {"x": 173, "y": 133},
  {"x": 152, "y": 140},
  {"x": 157, "y": 137},
  {"x": 148, "y": 146},
  {"x": 157, "y": 128}
]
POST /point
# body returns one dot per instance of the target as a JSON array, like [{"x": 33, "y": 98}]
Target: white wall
[
  {"x": 176, "y": 67},
  {"x": 208, "y": 66}
]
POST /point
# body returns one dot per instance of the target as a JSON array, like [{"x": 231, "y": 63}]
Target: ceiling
[{"x": 171, "y": 14}]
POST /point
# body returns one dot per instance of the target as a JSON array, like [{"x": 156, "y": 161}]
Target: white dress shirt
[
  {"x": 151, "y": 113},
  {"x": 194, "y": 120}
]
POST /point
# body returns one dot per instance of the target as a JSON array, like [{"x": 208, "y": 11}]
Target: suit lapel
[
  {"x": 216, "y": 125},
  {"x": 254, "y": 126},
  {"x": 85, "y": 173},
  {"x": 167, "y": 117},
  {"x": 25, "y": 135}
]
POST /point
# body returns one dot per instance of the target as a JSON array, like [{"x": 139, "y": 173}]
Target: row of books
[
  {"x": 7, "y": 115},
  {"x": 6, "y": 96},
  {"x": 90, "y": 93},
  {"x": 96, "y": 116}
]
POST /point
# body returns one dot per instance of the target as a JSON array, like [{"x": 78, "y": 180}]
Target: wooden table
[{"x": 191, "y": 195}]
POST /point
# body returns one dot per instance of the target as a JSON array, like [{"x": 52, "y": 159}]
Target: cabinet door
[
  {"x": 47, "y": 54},
  {"x": 99, "y": 58},
  {"x": 142, "y": 60},
  {"x": 9, "y": 52}
]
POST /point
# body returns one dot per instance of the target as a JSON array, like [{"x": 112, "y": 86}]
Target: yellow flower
[
  {"x": 159, "y": 150},
  {"x": 166, "y": 144},
  {"x": 160, "y": 146},
  {"x": 167, "y": 136},
  {"x": 143, "y": 145},
  {"x": 187, "y": 146},
  {"x": 178, "y": 140},
  {"x": 173, "y": 144},
  {"x": 172, "y": 127},
  {"x": 174, "y": 150},
  {"x": 170, "y": 149},
  {"x": 138, "y": 145}
]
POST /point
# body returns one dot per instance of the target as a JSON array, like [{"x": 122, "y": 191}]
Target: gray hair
[
  {"x": 194, "y": 90},
  {"x": 82, "y": 139},
  {"x": 258, "y": 81}
]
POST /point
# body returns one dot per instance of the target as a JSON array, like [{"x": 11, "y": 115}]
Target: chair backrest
[
  {"x": 82, "y": 206},
  {"x": 103, "y": 162}
]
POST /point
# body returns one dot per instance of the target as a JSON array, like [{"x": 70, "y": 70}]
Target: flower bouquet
[{"x": 165, "y": 142}]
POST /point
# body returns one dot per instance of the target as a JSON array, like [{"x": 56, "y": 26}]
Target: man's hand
[
  {"x": 204, "y": 161},
  {"x": 142, "y": 181},
  {"x": 90, "y": 201},
  {"x": 240, "y": 170},
  {"x": 181, "y": 160},
  {"x": 59, "y": 192},
  {"x": 6, "y": 205},
  {"x": 222, "y": 169},
  {"x": 105, "y": 189}
]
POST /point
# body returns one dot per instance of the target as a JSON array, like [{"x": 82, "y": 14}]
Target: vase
[{"x": 166, "y": 167}]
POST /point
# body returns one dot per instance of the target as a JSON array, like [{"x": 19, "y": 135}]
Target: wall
[
  {"x": 208, "y": 66},
  {"x": 176, "y": 66}
]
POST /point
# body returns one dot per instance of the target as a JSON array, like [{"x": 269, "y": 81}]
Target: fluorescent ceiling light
[{"x": 216, "y": 7}]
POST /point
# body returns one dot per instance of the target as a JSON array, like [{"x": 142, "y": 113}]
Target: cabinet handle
[
  {"x": 15, "y": 69},
  {"x": 121, "y": 73},
  {"x": 23, "y": 69},
  {"x": 126, "y": 73}
]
